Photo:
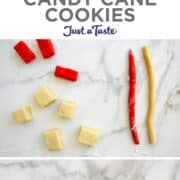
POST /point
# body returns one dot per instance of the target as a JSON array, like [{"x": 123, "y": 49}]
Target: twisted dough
[{"x": 150, "y": 115}]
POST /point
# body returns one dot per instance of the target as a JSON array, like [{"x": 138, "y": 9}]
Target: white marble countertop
[
  {"x": 90, "y": 170},
  {"x": 101, "y": 94}
]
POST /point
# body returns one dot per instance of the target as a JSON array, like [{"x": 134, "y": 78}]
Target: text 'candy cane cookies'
[{"x": 150, "y": 115}]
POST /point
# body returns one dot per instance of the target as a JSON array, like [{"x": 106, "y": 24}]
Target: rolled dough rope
[
  {"x": 150, "y": 115},
  {"x": 132, "y": 97}
]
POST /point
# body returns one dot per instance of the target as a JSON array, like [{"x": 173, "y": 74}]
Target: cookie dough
[
  {"x": 45, "y": 97},
  {"x": 53, "y": 140},
  {"x": 67, "y": 109},
  {"x": 151, "y": 107},
  {"x": 88, "y": 136},
  {"x": 23, "y": 114}
]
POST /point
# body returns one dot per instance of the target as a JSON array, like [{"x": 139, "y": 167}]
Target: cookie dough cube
[
  {"x": 88, "y": 136},
  {"x": 45, "y": 97},
  {"x": 23, "y": 114},
  {"x": 67, "y": 109},
  {"x": 53, "y": 139}
]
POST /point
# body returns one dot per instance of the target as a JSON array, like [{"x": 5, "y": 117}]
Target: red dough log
[
  {"x": 46, "y": 47},
  {"x": 66, "y": 73},
  {"x": 24, "y": 52},
  {"x": 132, "y": 97}
]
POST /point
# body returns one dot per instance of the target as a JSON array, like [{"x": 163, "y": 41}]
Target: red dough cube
[
  {"x": 24, "y": 52},
  {"x": 46, "y": 47},
  {"x": 66, "y": 73}
]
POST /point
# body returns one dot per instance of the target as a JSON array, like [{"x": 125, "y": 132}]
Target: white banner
[{"x": 89, "y": 19}]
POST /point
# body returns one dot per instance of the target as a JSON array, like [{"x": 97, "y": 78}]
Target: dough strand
[{"x": 150, "y": 115}]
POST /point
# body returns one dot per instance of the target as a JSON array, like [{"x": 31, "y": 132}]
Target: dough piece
[
  {"x": 67, "y": 109},
  {"x": 24, "y": 52},
  {"x": 47, "y": 48},
  {"x": 151, "y": 108},
  {"x": 53, "y": 139},
  {"x": 88, "y": 136},
  {"x": 23, "y": 114},
  {"x": 66, "y": 73},
  {"x": 45, "y": 97}
]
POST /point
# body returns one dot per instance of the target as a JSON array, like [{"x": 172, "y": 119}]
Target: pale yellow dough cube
[
  {"x": 45, "y": 97},
  {"x": 53, "y": 140},
  {"x": 23, "y": 114},
  {"x": 88, "y": 136},
  {"x": 67, "y": 109}
]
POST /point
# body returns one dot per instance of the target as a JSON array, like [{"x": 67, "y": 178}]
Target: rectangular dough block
[
  {"x": 88, "y": 136},
  {"x": 23, "y": 114},
  {"x": 45, "y": 97},
  {"x": 67, "y": 109},
  {"x": 53, "y": 139}
]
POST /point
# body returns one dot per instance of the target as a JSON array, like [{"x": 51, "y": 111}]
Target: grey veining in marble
[
  {"x": 90, "y": 170},
  {"x": 101, "y": 94}
]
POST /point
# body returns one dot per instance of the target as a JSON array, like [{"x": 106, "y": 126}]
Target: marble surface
[
  {"x": 91, "y": 170},
  {"x": 101, "y": 94}
]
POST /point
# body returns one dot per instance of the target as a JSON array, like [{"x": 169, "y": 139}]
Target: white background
[{"x": 17, "y": 20}]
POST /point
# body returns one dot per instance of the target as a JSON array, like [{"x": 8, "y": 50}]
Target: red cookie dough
[
  {"x": 47, "y": 48},
  {"x": 66, "y": 73},
  {"x": 24, "y": 52}
]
